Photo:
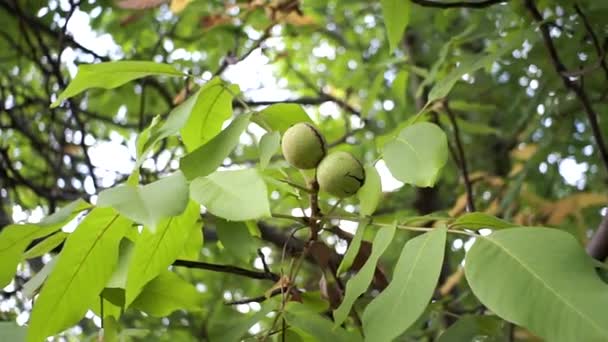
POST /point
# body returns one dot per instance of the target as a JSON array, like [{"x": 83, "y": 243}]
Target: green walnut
[
  {"x": 303, "y": 146},
  {"x": 340, "y": 174}
]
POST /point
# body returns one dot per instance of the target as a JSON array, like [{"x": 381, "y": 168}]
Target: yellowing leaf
[
  {"x": 524, "y": 152},
  {"x": 179, "y": 5},
  {"x": 561, "y": 209},
  {"x": 458, "y": 208},
  {"x": 297, "y": 19}
]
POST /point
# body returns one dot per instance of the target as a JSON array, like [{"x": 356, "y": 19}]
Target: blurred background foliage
[{"x": 527, "y": 141}]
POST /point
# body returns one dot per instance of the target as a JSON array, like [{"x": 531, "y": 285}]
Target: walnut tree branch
[
  {"x": 598, "y": 246},
  {"x": 227, "y": 269}
]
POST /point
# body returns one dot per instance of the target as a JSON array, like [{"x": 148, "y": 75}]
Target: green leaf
[
  {"x": 371, "y": 192},
  {"x": 167, "y": 293},
  {"x": 234, "y": 329},
  {"x": 10, "y": 331},
  {"x": 109, "y": 333},
  {"x": 541, "y": 279},
  {"x": 110, "y": 75},
  {"x": 315, "y": 325},
  {"x": 353, "y": 249},
  {"x": 83, "y": 268},
  {"x": 236, "y": 195},
  {"x": 443, "y": 87},
  {"x": 155, "y": 251},
  {"x": 269, "y": 145},
  {"x": 213, "y": 106},
  {"x": 207, "y": 158},
  {"x": 410, "y": 291},
  {"x": 475, "y": 328},
  {"x": 396, "y": 17},
  {"x": 192, "y": 248},
  {"x": 46, "y": 245},
  {"x": 279, "y": 117},
  {"x": 359, "y": 283},
  {"x": 236, "y": 239},
  {"x": 470, "y": 127},
  {"x": 15, "y": 238},
  {"x": 476, "y": 221},
  {"x": 399, "y": 87},
  {"x": 32, "y": 285},
  {"x": 118, "y": 280},
  {"x": 150, "y": 203},
  {"x": 65, "y": 214},
  {"x": 109, "y": 296},
  {"x": 372, "y": 94},
  {"x": 418, "y": 154}
]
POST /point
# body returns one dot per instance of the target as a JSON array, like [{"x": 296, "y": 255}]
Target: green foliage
[
  {"x": 111, "y": 75},
  {"x": 268, "y": 146},
  {"x": 508, "y": 93},
  {"x": 213, "y": 106},
  {"x": 396, "y": 17},
  {"x": 206, "y": 158},
  {"x": 15, "y": 238},
  {"x": 359, "y": 283},
  {"x": 238, "y": 195},
  {"x": 539, "y": 265},
  {"x": 476, "y": 221},
  {"x": 148, "y": 204},
  {"x": 10, "y": 331},
  {"x": 472, "y": 328},
  {"x": 85, "y": 264},
  {"x": 236, "y": 239},
  {"x": 417, "y": 154},
  {"x": 167, "y": 293},
  {"x": 308, "y": 325},
  {"x": 155, "y": 251},
  {"x": 407, "y": 296},
  {"x": 279, "y": 117},
  {"x": 370, "y": 193},
  {"x": 353, "y": 249}
]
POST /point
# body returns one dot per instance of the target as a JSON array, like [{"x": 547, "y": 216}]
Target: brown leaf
[
  {"x": 126, "y": 21},
  {"x": 181, "y": 96},
  {"x": 459, "y": 206},
  {"x": 524, "y": 151},
  {"x": 210, "y": 21},
  {"x": 365, "y": 250},
  {"x": 561, "y": 209},
  {"x": 321, "y": 253},
  {"x": 330, "y": 291},
  {"x": 139, "y": 4},
  {"x": 282, "y": 283}
]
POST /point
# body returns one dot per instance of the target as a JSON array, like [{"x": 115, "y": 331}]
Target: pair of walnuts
[{"x": 339, "y": 173}]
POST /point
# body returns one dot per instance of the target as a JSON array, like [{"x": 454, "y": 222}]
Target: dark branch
[
  {"x": 457, "y": 4},
  {"x": 461, "y": 158},
  {"x": 599, "y": 50},
  {"x": 598, "y": 246},
  {"x": 259, "y": 299},
  {"x": 227, "y": 269}
]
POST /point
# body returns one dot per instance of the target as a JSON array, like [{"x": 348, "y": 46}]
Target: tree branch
[
  {"x": 461, "y": 159},
  {"x": 227, "y": 269},
  {"x": 598, "y": 246},
  {"x": 457, "y": 4}
]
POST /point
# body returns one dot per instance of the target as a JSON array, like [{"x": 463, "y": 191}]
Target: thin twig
[
  {"x": 462, "y": 159},
  {"x": 599, "y": 50},
  {"x": 465, "y": 4},
  {"x": 598, "y": 246},
  {"x": 227, "y": 269}
]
